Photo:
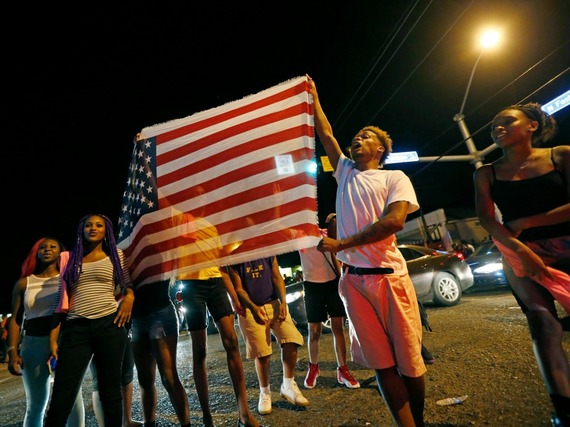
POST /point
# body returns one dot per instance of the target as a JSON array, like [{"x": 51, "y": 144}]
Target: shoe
[
  {"x": 312, "y": 375},
  {"x": 293, "y": 394},
  {"x": 264, "y": 405},
  {"x": 343, "y": 376},
  {"x": 427, "y": 356}
]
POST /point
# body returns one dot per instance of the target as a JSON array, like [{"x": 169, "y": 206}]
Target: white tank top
[{"x": 41, "y": 296}]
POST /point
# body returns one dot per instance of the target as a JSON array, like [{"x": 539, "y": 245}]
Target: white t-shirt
[
  {"x": 361, "y": 198},
  {"x": 317, "y": 266}
]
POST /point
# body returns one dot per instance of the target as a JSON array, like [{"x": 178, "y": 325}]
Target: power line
[
  {"x": 482, "y": 128},
  {"x": 378, "y": 58},
  {"x": 420, "y": 63}
]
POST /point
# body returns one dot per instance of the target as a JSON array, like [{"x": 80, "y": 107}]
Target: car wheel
[{"x": 446, "y": 290}]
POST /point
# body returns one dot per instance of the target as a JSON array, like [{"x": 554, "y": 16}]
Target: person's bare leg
[
  {"x": 226, "y": 326},
  {"x": 165, "y": 351},
  {"x": 263, "y": 369},
  {"x": 417, "y": 393},
  {"x": 200, "y": 373},
  {"x": 337, "y": 326},
  {"x": 395, "y": 394},
  {"x": 289, "y": 359},
  {"x": 127, "y": 393},
  {"x": 546, "y": 334},
  {"x": 98, "y": 408},
  {"x": 315, "y": 330},
  {"x": 146, "y": 374}
]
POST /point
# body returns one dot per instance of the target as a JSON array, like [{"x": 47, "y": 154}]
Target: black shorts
[
  {"x": 201, "y": 295},
  {"x": 322, "y": 300}
]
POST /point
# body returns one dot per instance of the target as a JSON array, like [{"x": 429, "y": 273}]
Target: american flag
[{"x": 222, "y": 186}]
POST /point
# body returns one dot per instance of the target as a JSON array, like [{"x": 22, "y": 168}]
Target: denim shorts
[{"x": 156, "y": 325}]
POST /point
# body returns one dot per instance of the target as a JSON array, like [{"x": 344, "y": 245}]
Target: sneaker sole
[
  {"x": 264, "y": 412},
  {"x": 348, "y": 384},
  {"x": 313, "y": 386},
  {"x": 292, "y": 402}
]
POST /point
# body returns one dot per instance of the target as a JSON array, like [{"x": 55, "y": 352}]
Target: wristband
[{"x": 10, "y": 348}]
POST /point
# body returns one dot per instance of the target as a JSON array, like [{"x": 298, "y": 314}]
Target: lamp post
[
  {"x": 459, "y": 118},
  {"x": 488, "y": 39}
]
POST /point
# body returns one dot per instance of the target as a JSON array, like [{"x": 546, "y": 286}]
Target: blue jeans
[
  {"x": 82, "y": 339},
  {"x": 36, "y": 378}
]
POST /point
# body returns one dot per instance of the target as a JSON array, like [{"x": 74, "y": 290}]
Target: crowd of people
[{"x": 76, "y": 309}]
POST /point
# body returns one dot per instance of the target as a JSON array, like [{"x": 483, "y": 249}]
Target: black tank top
[{"x": 518, "y": 199}]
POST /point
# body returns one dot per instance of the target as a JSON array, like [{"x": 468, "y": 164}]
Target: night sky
[{"x": 80, "y": 83}]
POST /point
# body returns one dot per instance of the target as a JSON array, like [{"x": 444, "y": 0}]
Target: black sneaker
[{"x": 427, "y": 356}]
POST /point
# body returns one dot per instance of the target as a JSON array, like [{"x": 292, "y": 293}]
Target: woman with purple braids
[{"x": 92, "y": 324}]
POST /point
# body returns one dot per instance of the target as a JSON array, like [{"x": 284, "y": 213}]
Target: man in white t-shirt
[{"x": 372, "y": 205}]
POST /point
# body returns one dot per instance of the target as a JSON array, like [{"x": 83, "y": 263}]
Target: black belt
[{"x": 361, "y": 271}]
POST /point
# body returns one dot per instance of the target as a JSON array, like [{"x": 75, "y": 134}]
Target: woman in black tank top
[{"x": 529, "y": 186}]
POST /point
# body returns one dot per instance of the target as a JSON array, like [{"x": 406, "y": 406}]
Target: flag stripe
[
  {"x": 223, "y": 114},
  {"x": 241, "y": 195},
  {"x": 226, "y": 133},
  {"x": 262, "y": 220},
  {"x": 266, "y": 145},
  {"x": 261, "y": 207},
  {"x": 155, "y": 272}
]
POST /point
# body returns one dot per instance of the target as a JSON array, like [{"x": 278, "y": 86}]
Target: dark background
[{"x": 81, "y": 82}]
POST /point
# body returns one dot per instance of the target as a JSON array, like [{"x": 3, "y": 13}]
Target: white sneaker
[
  {"x": 293, "y": 394},
  {"x": 264, "y": 405}
]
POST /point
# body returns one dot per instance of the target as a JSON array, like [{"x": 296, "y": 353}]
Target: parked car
[
  {"x": 486, "y": 263},
  {"x": 439, "y": 277},
  {"x": 295, "y": 296}
]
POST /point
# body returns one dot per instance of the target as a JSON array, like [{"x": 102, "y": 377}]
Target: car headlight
[
  {"x": 293, "y": 296},
  {"x": 489, "y": 268}
]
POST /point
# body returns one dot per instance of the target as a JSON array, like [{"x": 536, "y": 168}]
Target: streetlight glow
[{"x": 490, "y": 39}]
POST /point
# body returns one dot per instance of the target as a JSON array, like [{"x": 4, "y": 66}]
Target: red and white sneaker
[
  {"x": 344, "y": 376},
  {"x": 312, "y": 375}
]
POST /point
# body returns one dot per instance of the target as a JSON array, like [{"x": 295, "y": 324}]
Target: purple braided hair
[{"x": 74, "y": 265}]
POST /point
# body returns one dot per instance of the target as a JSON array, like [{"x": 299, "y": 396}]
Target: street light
[{"x": 488, "y": 39}]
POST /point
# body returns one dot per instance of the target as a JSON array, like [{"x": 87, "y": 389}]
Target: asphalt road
[{"x": 482, "y": 350}]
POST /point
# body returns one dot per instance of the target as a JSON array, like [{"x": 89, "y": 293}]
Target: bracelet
[{"x": 10, "y": 348}]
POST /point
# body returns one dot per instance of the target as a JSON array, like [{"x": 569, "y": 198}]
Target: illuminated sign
[
  {"x": 557, "y": 104},
  {"x": 403, "y": 157}
]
